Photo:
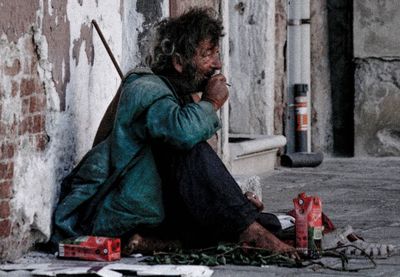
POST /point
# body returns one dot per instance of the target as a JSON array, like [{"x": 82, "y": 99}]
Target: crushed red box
[{"x": 91, "y": 248}]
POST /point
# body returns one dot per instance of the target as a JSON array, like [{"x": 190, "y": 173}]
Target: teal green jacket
[{"x": 148, "y": 111}]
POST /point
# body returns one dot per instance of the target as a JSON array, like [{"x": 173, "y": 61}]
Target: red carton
[
  {"x": 91, "y": 248},
  {"x": 302, "y": 209},
  {"x": 308, "y": 225}
]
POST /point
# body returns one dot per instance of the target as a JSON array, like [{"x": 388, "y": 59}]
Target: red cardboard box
[{"x": 91, "y": 248}]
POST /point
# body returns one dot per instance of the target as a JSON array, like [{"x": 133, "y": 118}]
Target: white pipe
[
  {"x": 306, "y": 62},
  {"x": 298, "y": 54},
  {"x": 294, "y": 43}
]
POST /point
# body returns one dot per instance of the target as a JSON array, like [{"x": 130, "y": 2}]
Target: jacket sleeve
[{"x": 182, "y": 127}]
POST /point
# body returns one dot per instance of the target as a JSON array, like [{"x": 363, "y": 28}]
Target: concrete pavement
[{"x": 363, "y": 193}]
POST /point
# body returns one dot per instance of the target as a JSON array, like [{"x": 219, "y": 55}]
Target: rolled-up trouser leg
[{"x": 203, "y": 203}]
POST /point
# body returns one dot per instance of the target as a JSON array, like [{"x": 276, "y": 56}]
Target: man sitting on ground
[{"x": 151, "y": 171}]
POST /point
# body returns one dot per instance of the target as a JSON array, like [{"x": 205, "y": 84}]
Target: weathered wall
[
  {"x": 252, "y": 66},
  {"x": 376, "y": 28},
  {"x": 280, "y": 86},
  {"x": 377, "y": 77},
  {"x": 23, "y": 123},
  {"x": 56, "y": 81},
  {"x": 138, "y": 19},
  {"x": 377, "y": 115},
  {"x": 321, "y": 109},
  {"x": 178, "y": 7}
]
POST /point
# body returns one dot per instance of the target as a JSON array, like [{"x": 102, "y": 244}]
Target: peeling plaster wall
[
  {"x": 377, "y": 77},
  {"x": 94, "y": 79},
  {"x": 55, "y": 26},
  {"x": 56, "y": 81},
  {"x": 142, "y": 14},
  {"x": 151, "y": 11},
  {"x": 130, "y": 35}
]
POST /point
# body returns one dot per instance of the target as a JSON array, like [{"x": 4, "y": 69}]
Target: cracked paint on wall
[
  {"x": 56, "y": 28},
  {"x": 86, "y": 37},
  {"x": 16, "y": 17}
]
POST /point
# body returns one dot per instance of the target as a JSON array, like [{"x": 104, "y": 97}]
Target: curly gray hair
[{"x": 179, "y": 37}]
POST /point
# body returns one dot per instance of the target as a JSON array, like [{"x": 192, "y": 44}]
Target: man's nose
[{"x": 217, "y": 64}]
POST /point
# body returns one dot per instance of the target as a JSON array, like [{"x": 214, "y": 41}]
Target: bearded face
[
  {"x": 196, "y": 78},
  {"x": 205, "y": 62}
]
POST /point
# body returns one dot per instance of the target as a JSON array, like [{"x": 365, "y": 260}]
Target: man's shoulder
[
  {"x": 147, "y": 81},
  {"x": 144, "y": 88}
]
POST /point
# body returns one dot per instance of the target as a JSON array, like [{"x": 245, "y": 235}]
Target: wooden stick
[{"x": 96, "y": 26}]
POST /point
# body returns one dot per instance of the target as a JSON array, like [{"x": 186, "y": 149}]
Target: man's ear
[{"x": 177, "y": 63}]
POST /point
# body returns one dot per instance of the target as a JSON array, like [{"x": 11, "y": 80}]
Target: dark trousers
[{"x": 203, "y": 203}]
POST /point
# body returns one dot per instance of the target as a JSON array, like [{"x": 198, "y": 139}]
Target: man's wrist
[
  {"x": 208, "y": 105},
  {"x": 214, "y": 105}
]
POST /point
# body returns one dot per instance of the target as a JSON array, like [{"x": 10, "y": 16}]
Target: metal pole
[{"x": 96, "y": 26}]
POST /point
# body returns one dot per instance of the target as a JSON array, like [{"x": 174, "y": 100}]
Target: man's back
[{"x": 117, "y": 181}]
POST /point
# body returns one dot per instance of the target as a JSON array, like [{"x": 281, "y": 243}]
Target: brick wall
[
  {"x": 22, "y": 121},
  {"x": 53, "y": 93}
]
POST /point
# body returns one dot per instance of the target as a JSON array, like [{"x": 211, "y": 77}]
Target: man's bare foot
[
  {"x": 147, "y": 245},
  {"x": 257, "y": 236}
]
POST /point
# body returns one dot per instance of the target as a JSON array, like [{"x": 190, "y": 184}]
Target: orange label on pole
[
  {"x": 301, "y": 122},
  {"x": 301, "y": 113}
]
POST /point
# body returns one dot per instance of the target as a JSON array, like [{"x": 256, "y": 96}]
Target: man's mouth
[{"x": 210, "y": 74}]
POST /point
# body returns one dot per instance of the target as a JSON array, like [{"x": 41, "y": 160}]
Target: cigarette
[{"x": 219, "y": 72}]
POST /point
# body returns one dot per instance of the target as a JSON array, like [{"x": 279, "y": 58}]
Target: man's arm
[{"x": 182, "y": 127}]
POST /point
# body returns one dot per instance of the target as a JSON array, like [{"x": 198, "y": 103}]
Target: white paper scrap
[
  {"x": 286, "y": 221},
  {"x": 164, "y": 270},
  {"x": 102, "y": 272}
]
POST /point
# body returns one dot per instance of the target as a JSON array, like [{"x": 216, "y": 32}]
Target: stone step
[{"x": 253, "y": 155}]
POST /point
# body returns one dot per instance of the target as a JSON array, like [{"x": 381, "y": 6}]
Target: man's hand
[
  {"x": 216, "y": 91},
  {"x": 253, "y": 198}
]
